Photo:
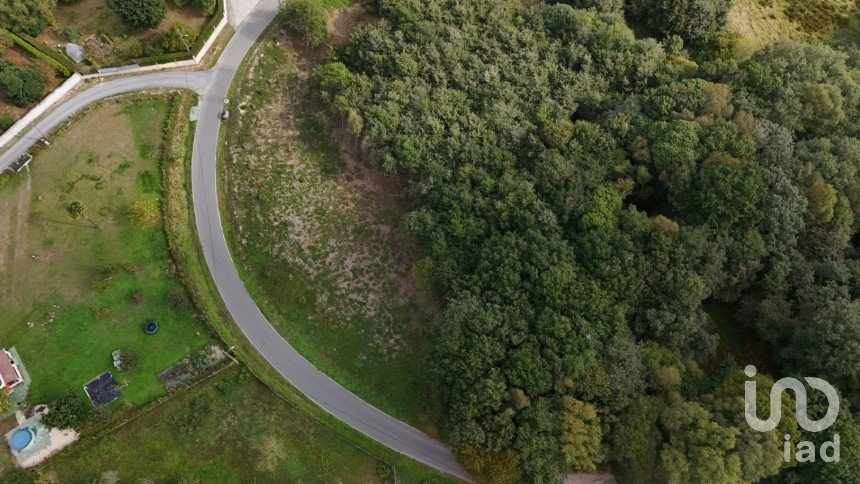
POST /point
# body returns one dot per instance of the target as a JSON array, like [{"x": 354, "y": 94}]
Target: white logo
[{"x": 805, "y": 449}]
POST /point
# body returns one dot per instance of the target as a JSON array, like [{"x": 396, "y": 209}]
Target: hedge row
[
  {"x": 207, "y": 31},
  {"x": 59, "y": 61}
]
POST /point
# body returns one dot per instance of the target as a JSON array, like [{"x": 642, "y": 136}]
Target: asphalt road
[{"x": 212, "y": 86}]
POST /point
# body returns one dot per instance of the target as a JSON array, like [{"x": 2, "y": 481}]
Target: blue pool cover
[{"x": 21, "y": 439}]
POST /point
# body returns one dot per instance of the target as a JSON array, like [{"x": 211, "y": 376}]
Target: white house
[{"x": 10, "y": 374}]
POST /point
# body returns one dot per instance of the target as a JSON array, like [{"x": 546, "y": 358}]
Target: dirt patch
[
  {"x": 765, "y": 23},
  {"x": 344, "y": 21}
]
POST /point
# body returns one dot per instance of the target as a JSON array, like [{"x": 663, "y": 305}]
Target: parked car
[{"x": 225, "y": 115}]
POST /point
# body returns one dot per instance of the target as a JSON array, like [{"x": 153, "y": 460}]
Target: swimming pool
[{"x": 21, "y": 439}]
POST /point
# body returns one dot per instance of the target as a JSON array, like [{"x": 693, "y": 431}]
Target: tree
[
  {"x": 689, "y": 19},
  {"x": 580, "y": 435},
  {"x": 178, "y": 37},
  {"x": 698, "y": 449},
  {"x": 308, "y": 19},
  {"x": 144, "y": 212},
  {"x": 141, "y": 14},
  {"x": 28, "y": 16},
  {"x": 822, "y": 200},
  {"x": 69, "y": 411},
  {"x": 610, "y": 6},
  {"x": 501, "y": 467},
  {"x": 22, "y": 84},
  {"x": 77, "y": 209},
  {"x": 635, "y": 442}
]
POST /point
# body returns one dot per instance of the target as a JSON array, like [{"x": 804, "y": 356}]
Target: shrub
[
  {"x": 6, "y": 122},
  {"x": 5, "y": 404},
  {"x": 68, "y": 411},
  {"x": 144, "y": 212},
  {"x": 142, "y": 14},
  {"x": 307, "y": 19},
  {"x": 21, "y": 84},
  {"x": 224, "y": 387},
  {"x": 208, "y": 6},
  {"x": 199, "y": 361},
  {"x": 100, "y": 417},
  {"x": 690, "y": 19},
  {"x": 178, "y": 38},
  {"x": 105, "y": 277},
  {"x": 383, "y": 471},
  {"x": 153, "y": 46},
  {"x": 62, "y": 63},
  {"x": 130, "y": 360},
  {"x": 176, "y": 298}
]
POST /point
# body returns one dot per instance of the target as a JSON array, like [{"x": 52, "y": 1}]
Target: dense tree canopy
[
  {"x": 28, "y": 16},
  {"x": 23, "y": 85},
  {"x": 142, "y": 14},
  {"x": 585, "y": 197}
]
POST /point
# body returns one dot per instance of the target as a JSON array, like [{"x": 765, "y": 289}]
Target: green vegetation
[
  {"x": 229, "y": 429},
  {"x": 141, "y": 14},
  {"x": 308, "y": 19},
  {"x": 111, "y": 40},
  {"x": 72, "y": 290},
  {"x": 61, "y": 67},
  {"x": 584, "y": 197},
  {"x": 69, "y": 411},
  {"x": 317, "y": 238},
  {"x": 178, "y": 37},
  {"x": 192, "y": 266},
  {"x": 768, "y": 20},
  {"x": 29, "y": 16},
  {"x": 21, "y": 84},
  {"x": 688, "y": 19}
]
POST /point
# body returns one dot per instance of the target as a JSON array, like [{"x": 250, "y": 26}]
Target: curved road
[{"x": 212, "y": 86}]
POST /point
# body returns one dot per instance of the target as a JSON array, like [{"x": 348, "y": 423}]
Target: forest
[{"x": 592, "y": 179}]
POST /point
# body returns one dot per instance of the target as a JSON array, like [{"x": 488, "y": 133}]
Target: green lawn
[
  {"x": 215, "y": 433},
  {"x": 317, "y": 237},
  {"x": 53, "y": 309}
]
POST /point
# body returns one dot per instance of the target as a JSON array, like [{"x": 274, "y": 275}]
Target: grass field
[
  {"x": 317, "y": 237},
  {"x": 806, "y": 20},
  {"x": 70, "y": 293},
  {"x": 226, "y": 430}
]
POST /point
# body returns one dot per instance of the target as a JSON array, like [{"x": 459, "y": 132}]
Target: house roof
[{"x": 8, "y": 372}]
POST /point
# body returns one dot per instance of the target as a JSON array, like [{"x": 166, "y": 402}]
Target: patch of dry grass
[{"x": 317, "y": 233}]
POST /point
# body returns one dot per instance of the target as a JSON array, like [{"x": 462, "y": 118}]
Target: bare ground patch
[{"x": 344, "y": 21}]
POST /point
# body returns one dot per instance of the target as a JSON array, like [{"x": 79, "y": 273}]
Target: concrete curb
[
  {"x": 40, "y": 108},
  {"x": 75, "y": 79}
]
